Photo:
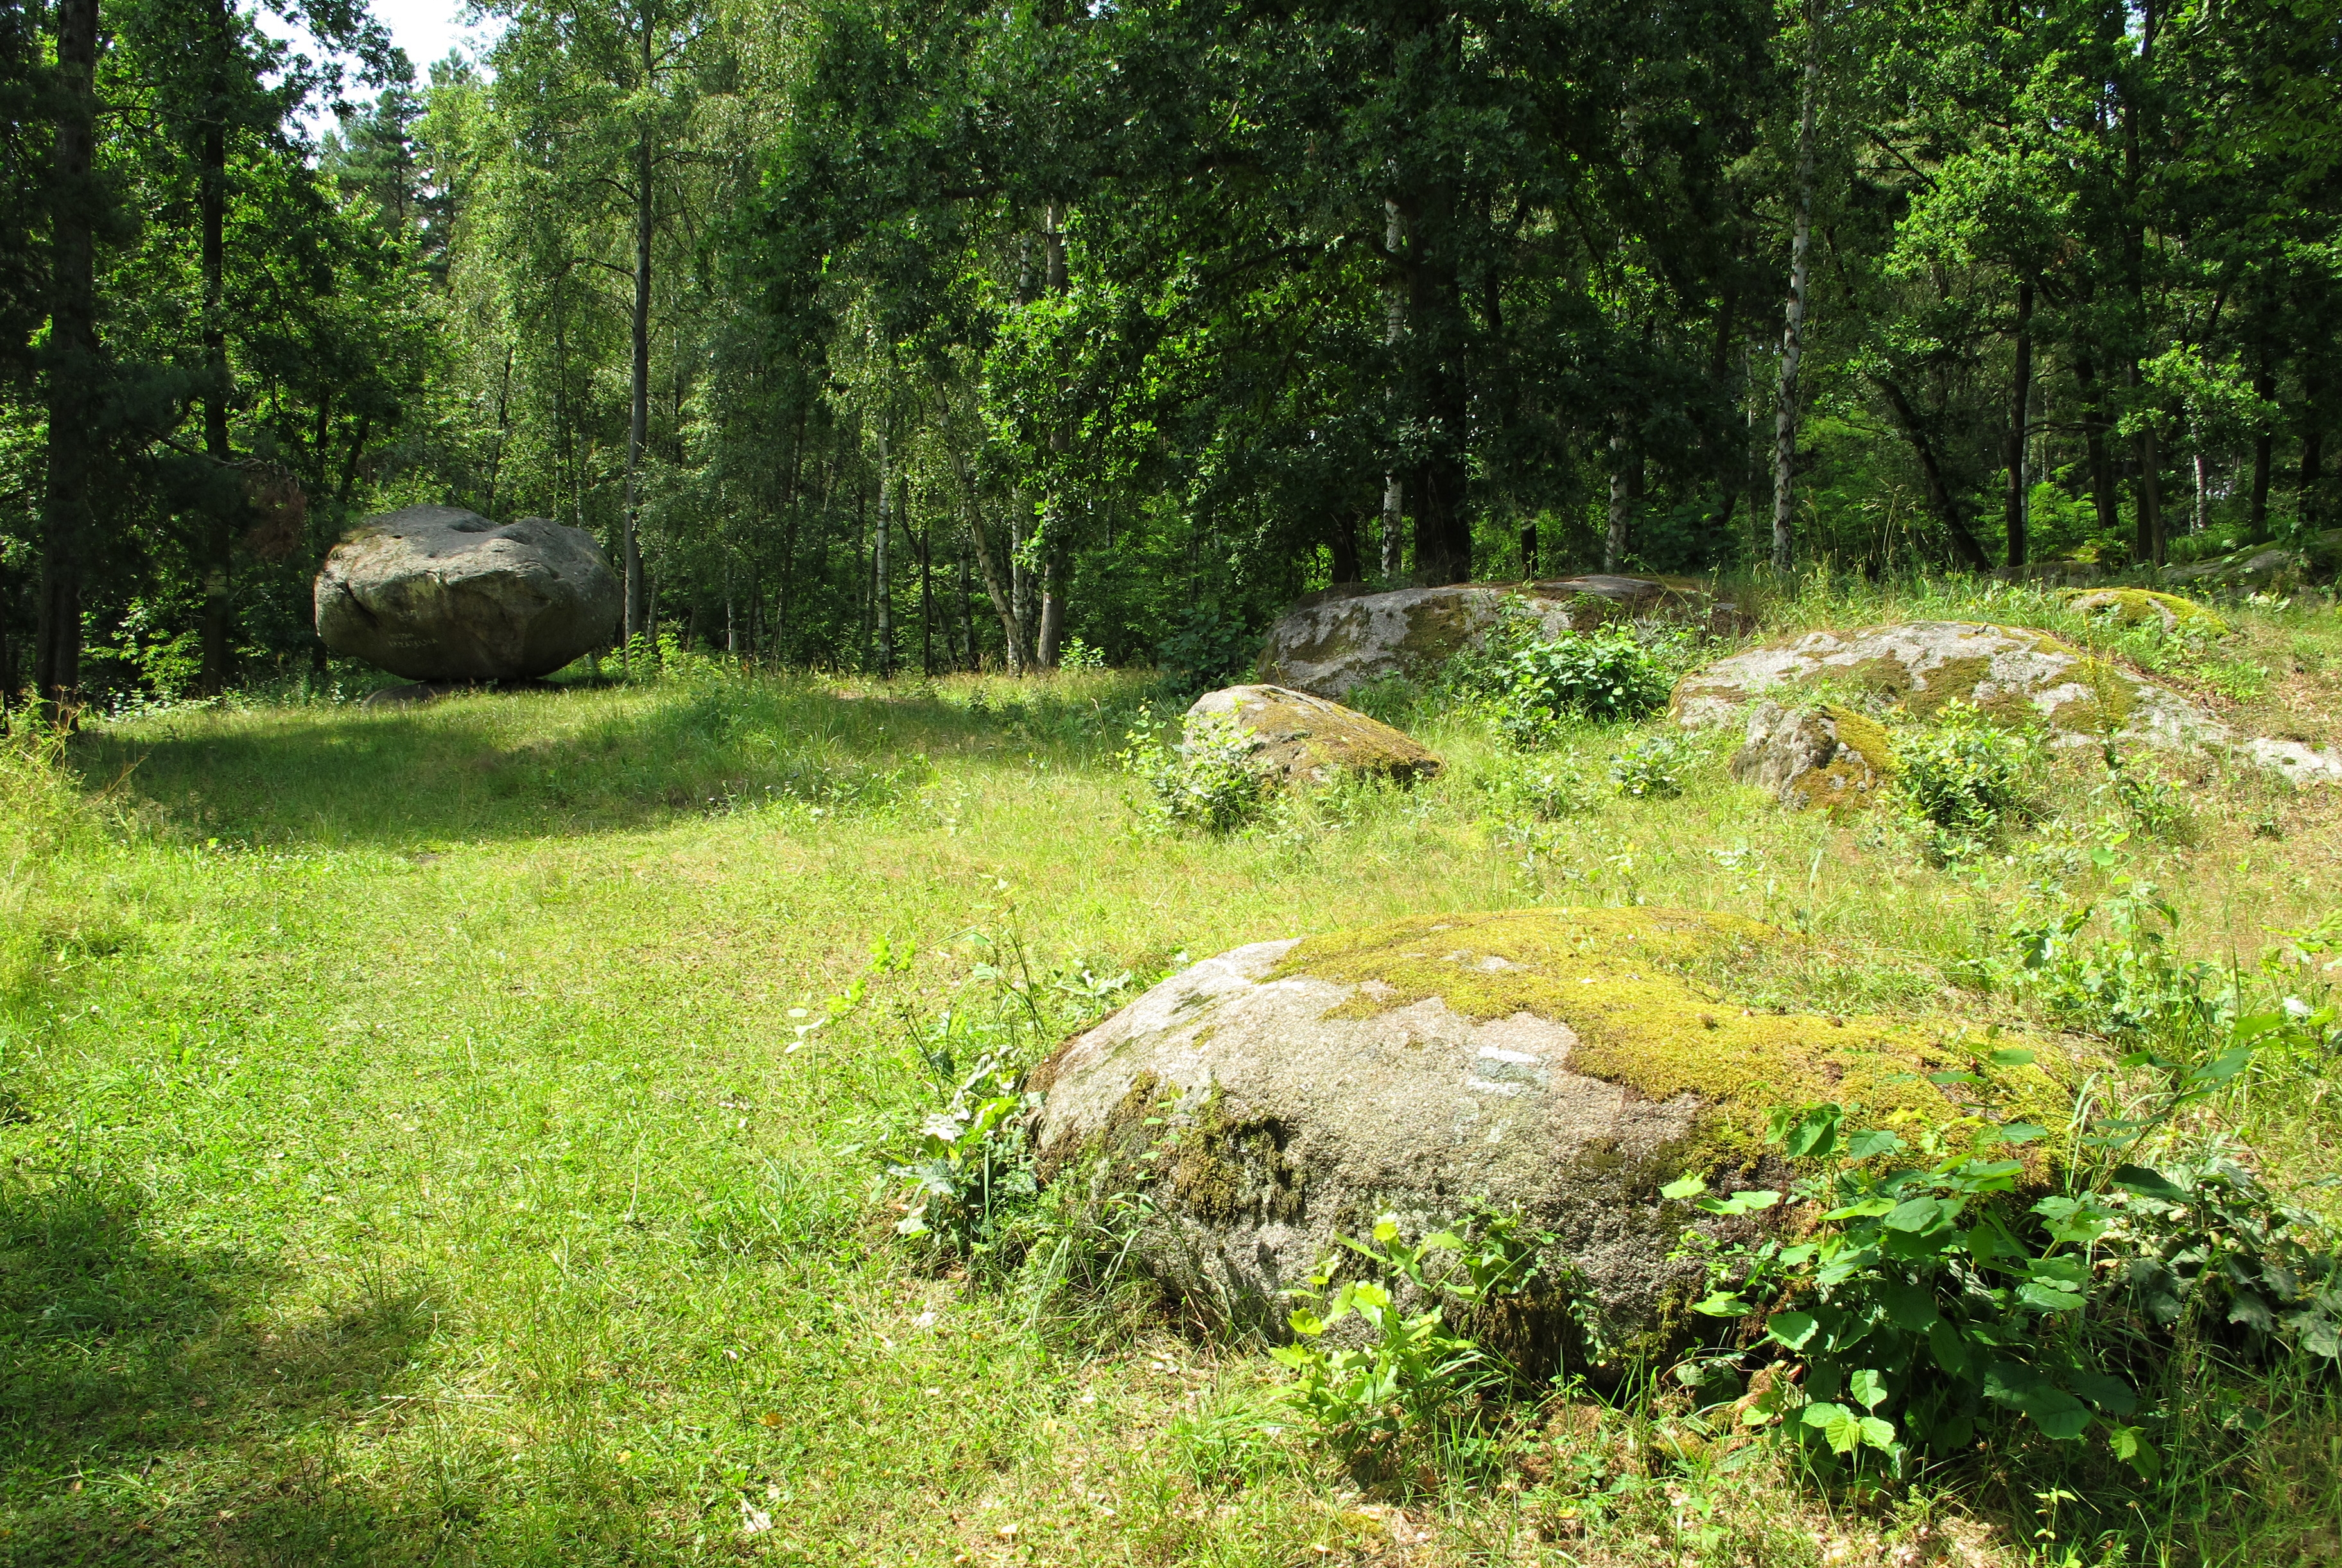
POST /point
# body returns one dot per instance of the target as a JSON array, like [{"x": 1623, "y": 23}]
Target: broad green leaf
[
  {"x": 1868, "y": 1388},
  {"x": 2130, "y": 1445},
  {"x": 2058, "y": 1414},
  {"x": 1721, "y": 1303},
  {"x": 2148, "y": 1183},
  {"x": 1686, "y": 1186},
  {"x": 2047, "y": 1298},
  {"x": 1950, "y": 1347},
  {"x": 1914, "y": 1214},
  {"x": 1872, "y": 1142},
  {"x": 1878, "y": 1431},
  {"x": 1908, "y": 1306},
  {"x": 2109, "y": 1394},
  {"x": 1794, "y": 1329},
  {"x": 2010, "y": 1057},
  {"x": 1838, "y": 1425}
]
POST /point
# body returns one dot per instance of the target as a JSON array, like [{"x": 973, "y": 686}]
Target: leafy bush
[
  {"x": 1418, "y": 1379},
  {"x": 1933, "y": 1301},
  {"x": 1208, "y": 781},
  {"x": 1536, "y": 788},
  {"x": 1077, "y": 655},
  {"x": 1650, "y": 767},
  {"x": 1963, "y": 777},
  {"x": 1210, "y": 647},
  {"x": 1605, "y": 676}
]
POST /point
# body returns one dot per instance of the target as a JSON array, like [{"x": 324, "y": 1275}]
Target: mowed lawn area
[{"x": 427, "y": 1134}]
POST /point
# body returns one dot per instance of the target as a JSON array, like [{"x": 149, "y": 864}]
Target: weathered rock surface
[
  {"x": 1826, "y": 756},
  {"x": 2135, "y": 606},
  {"x": 2009, "y": 673},
  {"x": 1332, "y": 643},
  {"x": 1306, "y": 739},
  {"x": 439, "y": 593},
  {"x": 2271, "y": 568},
  {"x": 1565, "y": 1060}
]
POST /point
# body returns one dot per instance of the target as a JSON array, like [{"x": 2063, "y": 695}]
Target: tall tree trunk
[
  {"x": 926, "y": 601},
  {"x": 2264, "y": 443},
  {"x": 2014, "y": 517},
  {"x": 882, "y": 582},
  {"x": 72, "y": 366},
  {"x": 1394, "y": 539},
  {"x": 1003, "y": 605},
  {"x": 1052, "y": 543},
  {"x": 2313, "y": 458},
  {"x": 1786, "y": 392},
  {"x": 1942, "y": 500},
  {"x": 1443, "y": 519},
  {"x": 219, "y": 530},
  {"x": 639, "y": 422},
  {"x": 2100, "y": 460},
  {"x": 2147, "y": 544},
  {"x": 1614, "y": 538}
]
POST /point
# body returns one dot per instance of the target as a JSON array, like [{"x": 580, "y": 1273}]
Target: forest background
[{"x": 881, "y": 335}]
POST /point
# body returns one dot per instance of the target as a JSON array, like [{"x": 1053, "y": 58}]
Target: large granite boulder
[
  {"x": 2266, "y": 568},
  {"x": 2140, "y": 607},
  {"x": 1304, "y": 739},
  {"x": 1569, "y": 1062},
  {"x": 1332, "y": 643},
  {"x": 2020, "y": 677},
  {"x": 439, "y": 593},
  {"x": 1823, "y": 756}
]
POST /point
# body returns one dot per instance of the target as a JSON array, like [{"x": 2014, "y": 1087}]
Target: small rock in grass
[{"x": 1302, "y": 738}]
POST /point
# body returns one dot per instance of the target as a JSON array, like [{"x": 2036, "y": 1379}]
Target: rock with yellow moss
[
  {"x": 1305, "y": 739},
  {"x": 1822, "y": 756},
  {"x": 2012, "y": 675},
  {"x": 1567, "y": 1062},
  {"x": 2137, "y": 606},
  {"x": 1334, "y": 641}
]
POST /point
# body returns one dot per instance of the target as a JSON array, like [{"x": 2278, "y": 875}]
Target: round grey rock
[{"x": 440, "y": 594}]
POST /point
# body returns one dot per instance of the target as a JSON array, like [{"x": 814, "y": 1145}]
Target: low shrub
[
  {"x": 1208, "y": 782},
  {"x": 1963, "y": 776},
  {"x": 1650, "y": 767}
]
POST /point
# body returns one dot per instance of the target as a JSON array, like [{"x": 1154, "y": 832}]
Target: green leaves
[{"x": 1846, "y": 1431}]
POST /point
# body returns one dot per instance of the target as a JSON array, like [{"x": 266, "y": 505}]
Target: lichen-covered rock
[
  {"x": 2271, "y": 568},
  {"x": 2136, "y": 606},
  {"x": 1330, "y": 643},
  {"x": 439, "y": 593},
  {"x": 2297, "y": 762},
  {"x": 2010, "y": 673},
  {"x": 1306, "y": 739},
  {"x": 1569, "y": 1062},
  {"x": 1823, "y": 756}
]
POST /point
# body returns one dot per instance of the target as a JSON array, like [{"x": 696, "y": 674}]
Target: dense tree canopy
[{"x": 893, "y": 334}]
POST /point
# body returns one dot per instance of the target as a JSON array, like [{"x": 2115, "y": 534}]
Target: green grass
[{"x": 406, "y": 1161}]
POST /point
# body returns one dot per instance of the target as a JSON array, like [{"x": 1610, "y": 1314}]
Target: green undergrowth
[{"x": 427, "y": 1135}]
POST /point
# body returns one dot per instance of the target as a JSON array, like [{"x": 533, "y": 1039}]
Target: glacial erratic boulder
[
  {"x": 1334, "y": 641},
  {"x": 438, "y": 594},
  {"x": 2266, "y": 568},
  {"x": 1824, "y": 756},
  {"x": 1569, "y": 1062},
  {"x": 1306, "y": 739},
  {"x": 2137, "y": 606},
  {"x": 2018, "y": 676}
]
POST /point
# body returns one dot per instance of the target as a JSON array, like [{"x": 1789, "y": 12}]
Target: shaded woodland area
[{"x": 920, "y": 336}]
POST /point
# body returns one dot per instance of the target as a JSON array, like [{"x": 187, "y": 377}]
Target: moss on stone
[
  {"x": 2137, "y": 607},
  {"x": 1629, "y": 984}
]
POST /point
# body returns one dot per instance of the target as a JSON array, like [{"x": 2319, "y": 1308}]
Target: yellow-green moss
[
  {"x": 1851, "y": 780},
  {"x": 2136, "y": 606},
  {"x": 1887, "y": 680},
  {"x": 1628, "y": 983}
]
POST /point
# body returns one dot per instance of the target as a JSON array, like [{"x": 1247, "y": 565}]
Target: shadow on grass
[
  {"x": 150, "y": 1413},
  {"x": 527, "y": 764}
]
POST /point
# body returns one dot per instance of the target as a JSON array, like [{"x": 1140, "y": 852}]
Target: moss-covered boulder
[
  {"x": 2266, "y": 568},
  {"x": 2137, "y": 606},
  {"x": 1823, "y": 756},
  {"x": 1570, "y": 1062},
  {"x": 1306, "y": 739},
  {"x": 2015, "y": 676},
  {"x": 1332, "y": 643}
]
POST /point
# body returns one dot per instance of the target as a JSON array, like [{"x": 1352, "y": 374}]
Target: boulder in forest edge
[
  {"x": 1824, "y": 756},
  {"x": 2010, "y": 673},
  {"x": 440, "y": 594},
  {"x": 1308, "y": 739},
  {"x": 2272, "y": 568},
  {"x": 2136, "y": 606},
  {"x": 1569, "y": 1062},
  {"x": 1331, "y": 643}
]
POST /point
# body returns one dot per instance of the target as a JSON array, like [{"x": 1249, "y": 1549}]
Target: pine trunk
[
  {"x": 1787, "y": 391},
  {"x": 72, "y": 363}
]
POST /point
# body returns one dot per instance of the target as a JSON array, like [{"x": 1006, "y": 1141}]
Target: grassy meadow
[{"x": 452, "y": 1134}]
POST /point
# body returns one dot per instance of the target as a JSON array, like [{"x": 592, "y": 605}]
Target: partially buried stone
[
  {"x": 438, "y": 594},
  {"x": 1821, "y": 756},
  {"x": 1567, "y": 1063},
  {"x": 1306, "y": 739}
]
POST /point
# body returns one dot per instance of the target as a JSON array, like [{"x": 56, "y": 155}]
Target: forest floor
[{"x": 411, "y": 1149}]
